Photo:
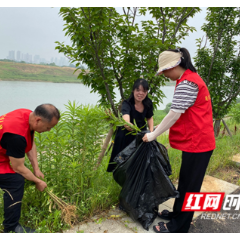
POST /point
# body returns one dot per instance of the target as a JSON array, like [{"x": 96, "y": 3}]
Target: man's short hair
[{"x": 47, "y": 111}]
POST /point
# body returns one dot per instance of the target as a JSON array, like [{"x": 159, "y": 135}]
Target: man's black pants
[
  {"x": 13, "y": 186},
  {"x": 191, "y": 176}
]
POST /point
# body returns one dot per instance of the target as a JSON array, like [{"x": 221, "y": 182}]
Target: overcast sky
[{"x": 34, "y": 30}]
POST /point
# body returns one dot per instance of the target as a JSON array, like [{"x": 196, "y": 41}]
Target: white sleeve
[{"x": 166, "y": 123}]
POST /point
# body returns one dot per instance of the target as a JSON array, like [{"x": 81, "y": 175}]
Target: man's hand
[
  {"x": 19, "y": 167},
  {"x": 41, "y": 185},
  {"x": 38, "y": 173}
]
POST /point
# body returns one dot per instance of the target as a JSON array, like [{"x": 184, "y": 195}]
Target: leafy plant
[
  {"x": 68, "y": 156},
  {"x": 117, "y": 50},
  {"x": 234, "y": 114},
  {"x": 218, "y": 64}
]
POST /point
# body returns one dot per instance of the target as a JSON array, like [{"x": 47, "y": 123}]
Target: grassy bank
[
  {"x": 13, "y": 71},
  {"x": 33, "y": 72}
]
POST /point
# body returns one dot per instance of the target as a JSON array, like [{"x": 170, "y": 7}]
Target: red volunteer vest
[
  {"x": 193, "y": 131},
  {"x": 16, "y": 122}
]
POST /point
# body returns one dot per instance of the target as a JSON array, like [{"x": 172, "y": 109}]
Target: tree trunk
[
  {"x": 217, "y": 127},
  {"x": 230, "y": 134},
  {"x": 105, "y": 145}
]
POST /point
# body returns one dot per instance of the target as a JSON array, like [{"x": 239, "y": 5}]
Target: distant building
[
  {"x": 27, "y": 57},
  {"x": 11, "y": 55},
  {"x": 61, "y": 62},
  {"x": 66, "y": 62},
  {"x": 36, "y": 59},
  {"x": 18, "y": 56},
  {"x": 43, "y": 60}
]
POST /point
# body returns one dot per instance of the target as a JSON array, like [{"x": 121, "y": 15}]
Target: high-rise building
[
  {"x": 36, "y": 59},
  {"x": 11, "y": 55},
  {"x": 27, "y": 57},
  {"x": 18, "y": 56},
  {"x": 61, "y": 62}
]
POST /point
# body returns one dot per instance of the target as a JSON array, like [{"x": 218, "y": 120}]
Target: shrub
[{"x": 67, "y": 156}]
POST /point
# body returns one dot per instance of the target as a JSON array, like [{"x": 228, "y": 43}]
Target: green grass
[
  {"x": 158, "y": 116},
  {"x": 12, "y": 71}
]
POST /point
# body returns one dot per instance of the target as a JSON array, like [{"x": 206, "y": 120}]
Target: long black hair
[
  {"x": 136, "y": 85},
  {"x": 186, "y": 62}
]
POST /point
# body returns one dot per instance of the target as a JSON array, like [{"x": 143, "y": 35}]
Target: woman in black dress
[{"x": 139, "y": 107}]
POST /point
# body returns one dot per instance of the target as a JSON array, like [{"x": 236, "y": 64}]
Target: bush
[
  {"x": 68, "y": 156},
  {"x": 167, "y": 108},
  {"x": 235, "y": 113}
]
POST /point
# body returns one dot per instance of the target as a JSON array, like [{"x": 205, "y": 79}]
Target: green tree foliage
[
  {"x": 219, "y": 63},
  {"x": 235, "y": 113},
  {"x": 117, "y": 49}
]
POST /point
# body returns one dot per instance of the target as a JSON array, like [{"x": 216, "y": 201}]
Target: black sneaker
[{"x": 20, "y": 229}]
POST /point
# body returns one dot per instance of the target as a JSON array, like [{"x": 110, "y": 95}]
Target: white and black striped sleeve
[{"x": 184, "y": 96}]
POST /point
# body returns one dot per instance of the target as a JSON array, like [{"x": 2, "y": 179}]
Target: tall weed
[{"x": 68, "y": 156}]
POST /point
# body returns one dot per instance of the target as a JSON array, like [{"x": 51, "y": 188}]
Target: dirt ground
[{"x": 229, "y": 174}]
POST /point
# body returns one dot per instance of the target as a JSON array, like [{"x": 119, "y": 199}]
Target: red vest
[
  {"x": 16, "y": 122},
  {"x": 193, "y": 131}
]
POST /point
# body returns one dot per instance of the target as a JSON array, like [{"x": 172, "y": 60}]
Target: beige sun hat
[{"x": 168, "y": 60}]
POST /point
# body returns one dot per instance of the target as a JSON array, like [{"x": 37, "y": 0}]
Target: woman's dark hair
[
  {"x": 136, "y": 85},
  {"x": 186, "y": 62}
]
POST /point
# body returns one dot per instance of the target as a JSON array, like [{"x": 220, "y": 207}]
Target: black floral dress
[{"x": 121, "y": 139}]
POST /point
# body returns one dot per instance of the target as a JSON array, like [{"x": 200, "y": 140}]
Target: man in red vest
[
  {"x": 17, "y": 138},
  {"x": 191, "y": 130}
]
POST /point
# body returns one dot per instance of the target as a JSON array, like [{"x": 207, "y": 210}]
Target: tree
[
  {"x": 219, "y": 63},
  {"x": 234, "y": 113},
  {"x": 117, "y": 51}
]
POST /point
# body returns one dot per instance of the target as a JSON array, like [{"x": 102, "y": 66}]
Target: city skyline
[
  {"x": 34, "y": 30},
  {"x": 29, "y": 58}
]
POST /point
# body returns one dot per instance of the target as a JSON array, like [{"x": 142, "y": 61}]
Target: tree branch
[
  {"x": 182, "y": 19},
  {"x": 164, "y": 25}
]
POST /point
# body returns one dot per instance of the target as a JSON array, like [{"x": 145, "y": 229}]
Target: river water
[{"x": 17, "y": 94}]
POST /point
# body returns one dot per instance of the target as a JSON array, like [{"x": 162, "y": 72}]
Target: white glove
[{"x": 166, "y": 123}]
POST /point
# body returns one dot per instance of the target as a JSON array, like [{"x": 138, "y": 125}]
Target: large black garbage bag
[{"x": 142, "y": 171}]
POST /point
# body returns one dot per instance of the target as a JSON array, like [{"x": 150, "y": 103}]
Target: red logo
[{"x": 211, "y": 201}]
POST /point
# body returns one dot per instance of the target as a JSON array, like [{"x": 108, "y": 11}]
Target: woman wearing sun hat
[{"x": 191, "y": 131}]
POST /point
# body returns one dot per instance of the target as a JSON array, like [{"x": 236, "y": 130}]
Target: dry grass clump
[{"x": 68, "y": 215}]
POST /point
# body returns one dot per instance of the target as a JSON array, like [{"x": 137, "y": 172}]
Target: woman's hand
[
  {"x": 126, "y": 117},
  {"x": 145, "y": 139},
  {"x": 128, "y": 128}
]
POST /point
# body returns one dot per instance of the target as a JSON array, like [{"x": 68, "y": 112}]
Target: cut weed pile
[{"x": 68, "y": 215}]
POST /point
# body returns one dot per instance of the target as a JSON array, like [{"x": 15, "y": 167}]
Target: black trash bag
[{"x": 142, "y": 171}]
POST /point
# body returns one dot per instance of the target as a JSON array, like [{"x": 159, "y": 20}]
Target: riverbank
[{"x": 12, "y": 71}]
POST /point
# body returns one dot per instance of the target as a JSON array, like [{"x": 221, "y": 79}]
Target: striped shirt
[{"x": 184, "y": 96}]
